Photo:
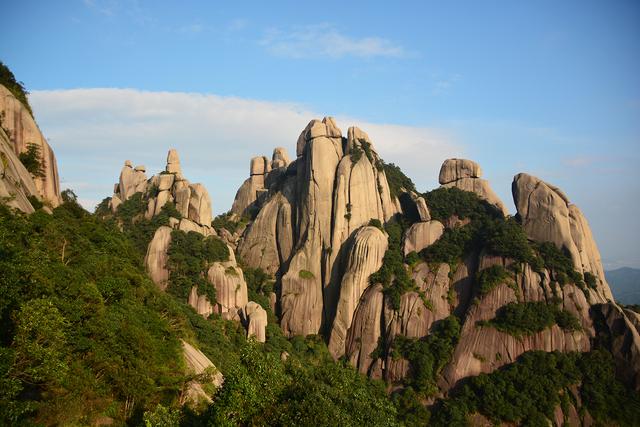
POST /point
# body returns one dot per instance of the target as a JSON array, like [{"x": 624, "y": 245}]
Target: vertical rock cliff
[{"x": 21, "y": 130}]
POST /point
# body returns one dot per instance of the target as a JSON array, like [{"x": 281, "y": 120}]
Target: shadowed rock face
[
  {"x": 623, "y": 326},
  {"x": 23, "y": 131}
]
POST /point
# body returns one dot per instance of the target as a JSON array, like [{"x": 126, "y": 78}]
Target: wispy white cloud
[
  {"x": 325, "y": 40},
  {"x": 94, "y": 130}
]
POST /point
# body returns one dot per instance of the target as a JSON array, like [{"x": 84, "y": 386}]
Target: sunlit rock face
[
  {"x": 465, "y": 175},
  {"x": 23, "y": 131}
]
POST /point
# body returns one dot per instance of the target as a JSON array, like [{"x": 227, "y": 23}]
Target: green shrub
[
  {"x": 35, "y": 202},
  {"x": 447, "y": 202},
  {"x": 8, "y": 80},
  {"x": 451, "y": 247},
  {"x": 306, "y": 274},
  {"x": 429, "y": 355},
  {"x": 527, "y": 392},
  {"x": 528, "y": 318},
  {"x": 491, "y": 277},
  {"x": 224, "y": 221},
  {"x": 374, "y": 222},
  {"x": 84, "y": 328},
  {"x": 590, "y": 280},
  {"x": 355, "y": 153},
  {"x": 506, "y": 238},
  {"x": 393, "y": 274},
  {"x": 32, "y": 160},
  {"x": 397, "y": 180},
  {"x": 189, "y": 257}
]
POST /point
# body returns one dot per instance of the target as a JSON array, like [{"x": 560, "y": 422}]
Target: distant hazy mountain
[{"x": 625, "y": 284}]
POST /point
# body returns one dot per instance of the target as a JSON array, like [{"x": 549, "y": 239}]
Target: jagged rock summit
[
  {"x": 313, "y": 229},
  {"x": 189, "y": 209}
]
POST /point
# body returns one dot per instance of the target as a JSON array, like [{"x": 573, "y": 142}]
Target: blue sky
[{"x": 550, "y": 88}]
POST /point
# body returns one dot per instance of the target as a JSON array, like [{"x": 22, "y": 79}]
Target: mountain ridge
[{"x": 331, "y": 275}]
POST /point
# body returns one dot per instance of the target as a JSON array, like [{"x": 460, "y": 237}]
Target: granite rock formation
[
  {"x": 465, "y": 175},
  {"x": 21, "y": 130}
]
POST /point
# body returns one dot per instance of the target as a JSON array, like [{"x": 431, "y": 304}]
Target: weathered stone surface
[
  {"x": 365, "y": 330},
  {"x": 187, "y": 225},
  {"x": 255, "y": 318},
  {"x": 315, "y": 129},
  {"x": 182, "y": 194},
  {"x": 165, "y": 181},
  {"x": 156, "y": 259},
  {"x": 200, "y": 303},
  {"x": 422, "y": 234},
  {"x": 364, "y": 258},
  {"x": 484, "y": 349},
  {"x": 423, "y": 210},
  {"x": 417, "y": 313},
  {"x": 114, "y": 203},
  {"x": 280, "y": 158},
  {"x": 455, "y": 169},
  {"x": 198, "y": 364},
  {"x": 200, "y": 205},
  {"x": 302, "y": 284},
  {"x": 16, "y": 183},
  {"x": 173, "y": 162},
  {"x": 465, "y": 175},
  {"x": 548, "y": 216},
  {"x": 269, "y": 239},
  {"x": 131, "y": 182},
  {"x": 23, "y": 131},
  {"x": 231, "y": 288}
]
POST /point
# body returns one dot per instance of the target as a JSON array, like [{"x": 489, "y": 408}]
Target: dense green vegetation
[
  {"x": 528, "y": 318},
  {"x": 429, "y": 355},
  {"x": 224, "y": 221},
  {"x": 491, "y": 277},
  {"x": 447, "y": 202},
  {"x": 397, "y": 179},
  {"x": 8, "y": 80},
  {"x": 189, "y": 257},
  {"x": 526, "y": 392},
  {"x": 32, "y": 160},
  {"x": 486, "y": 229},
  {"x": 308, "y": 389},
  {"x": 130, "y": 216},
  {"x": 393, "y": 274},
  {"x": 84, "y": 330},
  {"x": 87, "y": 334}
]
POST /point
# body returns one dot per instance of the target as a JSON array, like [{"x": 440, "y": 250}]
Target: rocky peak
[
  {"x": 547, "y": 215},
  {"x": 280, "y": 158},
  {"x": 465, "y": 175},
  {"x": 173, "y": 162},
  {"x": 316, "y": 129}
]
